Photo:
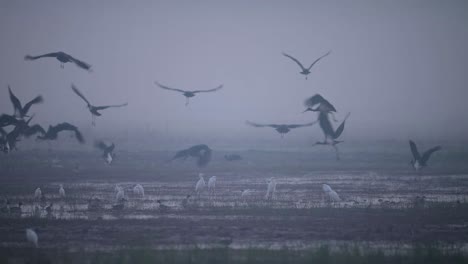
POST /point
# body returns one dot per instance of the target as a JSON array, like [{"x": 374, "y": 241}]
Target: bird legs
[
  {"x": 186, "y": 101},
  {"x": 93, "y": 122},
  {"x": 62, "y": 65}
]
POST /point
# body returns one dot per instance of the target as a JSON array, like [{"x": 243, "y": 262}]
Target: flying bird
[
  {"x": 53, "y": 131},
  {"x": 108, "y": 151},
  {"x": 418, "y": 162},
  {"x": 19, "y": 110},
  {"x": 188, "y": 94},
  {"x": 201, "y": 152},
  {"x": 305, "y": 71},
  {"x": 63, "y": 58},
  {"x": 282, "y": 129},
  {"x": 94, "y": 109}
]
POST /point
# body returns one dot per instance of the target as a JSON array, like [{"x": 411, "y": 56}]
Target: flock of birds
[{"x": 20, "y": 121}]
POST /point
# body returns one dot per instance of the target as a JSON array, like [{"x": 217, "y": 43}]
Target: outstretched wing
[
  {"x": 36, "y": 100},
  {"x": 67, "y": 127},
  {"x": 207, "y": 91},
  {"x": 340, "y": 129},
  {"x": 425, "y": 157},
  {"x": 261, "y": 125},
  {"x": 204, "y": 157},
  {"x": 52, "y": 54},
  {"x": 7, "y": 120},
  {"x": 169, "y": 88},
  {"x": 414, "y": 150},
  {"x": 108, "y": 106},
  {"x": 313, "y": 63},
  {"x": 80, "y": 63},
  {"x": 301, "y": 125},
  {"x": 33, "y": 130},
  {"x": 79, "y": 94},
  {"x": 15, "y": 101},
  {"x": 295, "y": 60}
]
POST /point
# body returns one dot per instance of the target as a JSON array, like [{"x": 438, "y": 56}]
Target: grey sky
[{"x": 400, "y": 67}]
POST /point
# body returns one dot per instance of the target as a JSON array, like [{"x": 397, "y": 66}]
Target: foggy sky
[{"x": 399, "y": 67}]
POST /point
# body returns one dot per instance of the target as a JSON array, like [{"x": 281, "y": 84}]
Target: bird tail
[{"x": 29, "y": 57}]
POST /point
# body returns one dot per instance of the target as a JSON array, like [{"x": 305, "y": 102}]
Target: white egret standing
[
  {"x": 38, "y": 193},
  {"x": 120, "y": 196},
  {"x": 200, "y": 186},
  {"x": 330, "y": 194},
  {"x": 212, "y": 184},
  {"x": 32, "y": 237},
  {"x": 138, "y": 190},
  {"x": 271, "y": 188},
  {"x": 62, "y": 192}
]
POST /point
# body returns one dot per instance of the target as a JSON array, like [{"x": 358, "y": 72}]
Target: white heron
[
  {"x": 38, "y": 193},
  {"x": 32, "y": 237},
  {"x": 200, "y": 186},
  {"x": 271, "y": 188},
  {"x": 120, "y": 196},
  {"x": 212, "y": 184},
  {"x": 138, "y": 190},
  {"x": 61, "y": 191},
  {"x": 117, "y": 188},
  {"x": 330, "y": 194}
]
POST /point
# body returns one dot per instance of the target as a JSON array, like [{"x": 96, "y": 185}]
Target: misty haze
[{"x": 233, "y": 131}]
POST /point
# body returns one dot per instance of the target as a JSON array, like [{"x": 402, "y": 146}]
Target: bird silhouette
[
  {"x": 419, "y": 161},
  {"x": 201, "y": 152},
  {"x": 53, "y": 131},
  {"x": 63, "y": 58},
  {"x": 19, "y": 110},
  {"x": 108, "y": 150},
  {"x": 305, "y": 71},
  {"x": 188, "y": 94},
  {"x": 282, "y": 129},
  {"x": 93, "y": 109}
]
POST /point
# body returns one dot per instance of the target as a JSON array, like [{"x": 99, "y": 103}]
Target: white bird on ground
[
  {"x": 200, "y": 186},
  {"x": 212, "y": 184},
  {"x": 138, "y": 190},
  {"x": 117, "y": 188},
  {"x": 245, "y": 193},
  {"x": 330, "y": 194},
  {"x": 61, "y": 191},
  {"x": 38, "y": 193},
  {"x": 31, "y": 236},
  {"x": 271, "y": 188},
  {"x": 120, "y": 196}
]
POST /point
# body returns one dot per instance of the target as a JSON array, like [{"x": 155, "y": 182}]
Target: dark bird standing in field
[
  {"x": 63, "y": 58},
  {"x": 108, "y": 151},
  {"x": 188, "y": 94},
  {"x": 305, "y": 71},
  {"x": 94, "y": 109},
  {"x": 282, "y": 129},
  {"x": 20, "y": 111},
  {"x": 201, "y": 152},
  {"x": 418, "y": 162},
  {"x": 52, "y": 132}
]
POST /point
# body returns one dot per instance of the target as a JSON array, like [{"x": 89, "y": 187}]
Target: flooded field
[{"x": 387, "y": 210}]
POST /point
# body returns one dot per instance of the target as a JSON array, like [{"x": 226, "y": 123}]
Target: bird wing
[
  {"x": 301, "y": 125},
  {"x": 69, "y": 127},
  {"x": 313, "y": 63},
  {"x": 340, "y": 129},
  {"x": 425, "y": 157},
  {"x": 6, "y": 120},
  {"x": 108, "y": 106},
  {"x": 100, "y": 145},
  {"x": 15, "y": 101},
  {"x": 169, "y": 88},
  {"x": 295, "y": 60},
  {"x": 36, "y": 100},
  {"x": 34, "y": 130},
  {"x": 261, "y": 125},
  {"x": 52, "y": 54},
  {"x": 79, "y": 94},
  {"x": 207, "y": 91},
  {"x": 111, "y": 147},
  {"x": 80, "y": 63},
  {"x": 414, "y": 150}
]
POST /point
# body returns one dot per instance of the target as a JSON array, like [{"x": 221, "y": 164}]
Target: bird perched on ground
[
  {"x": 232, "y": 157},
  {"x": 305, "y": 71},
  {"x": 330, "y": 194},
  {"x": 200, "y": 185},
  {"x": 32, "y": 237},
  {"x": 418, "y": 162},
  {"x": 201, "y": 152},
  {"x": 138, "y": 190},
  {"x": 38, "y": 193},
  {"x": 120, "y": 196},
  {"x": 94, "y": 110},
  {"x": 188, "y": 94},
  {"x": 63, "y": 58},
  {"x": 212, "y": 184},
  {"x": 53, "y": 131},
  {"x": 61, "y": 191},
  {"x": 282, "y": 129},
  {"x": 271, "y": 188},
  {"x": 20, "y": 111},
  {"x": 108, "y": 150}
]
